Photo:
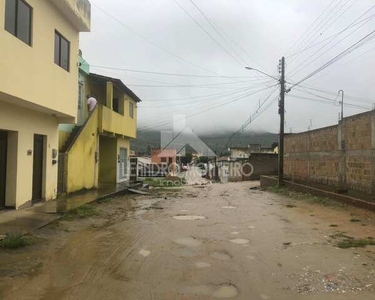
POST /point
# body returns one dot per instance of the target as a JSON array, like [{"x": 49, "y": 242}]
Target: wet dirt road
[{"x": 205, "y": 242}]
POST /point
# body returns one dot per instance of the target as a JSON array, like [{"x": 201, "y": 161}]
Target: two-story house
[
  {"x": 39, "y": 43},
  {"x": 96, "y": 151}
]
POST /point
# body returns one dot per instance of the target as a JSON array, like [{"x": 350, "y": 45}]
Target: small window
[
  {"x": 18, "y": 19},
  {"x": 131, "y": 110},
  {"x": 163, "y": 159},
  {"x": 62, "y": 51}
]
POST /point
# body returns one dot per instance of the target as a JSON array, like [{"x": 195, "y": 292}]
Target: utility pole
[
  {"x": 342, "y": 104},
  {"x": 282, "y": 122}
]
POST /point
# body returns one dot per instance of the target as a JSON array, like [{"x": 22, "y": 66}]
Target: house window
[
  {"x": 115, "y": 105},
  {"x": 163, "y": 159},
  {"x": 131, "y": 110},
  {"x": 62, "y": 51},
  {"x": 18, "y": 19}
]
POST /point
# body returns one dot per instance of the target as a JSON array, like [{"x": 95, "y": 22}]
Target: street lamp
[{"x": 253, "y": 69}]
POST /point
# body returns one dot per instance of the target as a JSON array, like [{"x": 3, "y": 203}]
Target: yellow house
[
  {"x": 38, "y": 87},
  {"x": 97, "y": 150}
]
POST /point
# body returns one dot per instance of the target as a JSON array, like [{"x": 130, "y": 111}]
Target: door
[
  {"x": 38, "y": 167},
  {"x": 3, "y": 166},
  {"x": 123, "y": 164}
]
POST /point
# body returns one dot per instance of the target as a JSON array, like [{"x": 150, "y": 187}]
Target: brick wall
[{"x": 340, "y": 156}]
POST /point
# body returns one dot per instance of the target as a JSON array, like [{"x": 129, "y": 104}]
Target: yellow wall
[
  {"x": 29, "y": 74},
  {"x": 82, "y": 170},
  {"x": 23, "y": 124},
  {"x": 107, "y": 159}
]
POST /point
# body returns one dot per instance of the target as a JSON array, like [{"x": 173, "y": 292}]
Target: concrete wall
[
  {"x": 263, "y": 164},
  {"x": 250, "y": 169},
  {"x": 20, "y": 162},
  {"x": 82, "y": 169},
  {"x": 340, "y": 156}
]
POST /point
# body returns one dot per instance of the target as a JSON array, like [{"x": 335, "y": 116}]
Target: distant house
[
  {"x": 163, "y": 156},
  {"x": 240, "y": 152}
]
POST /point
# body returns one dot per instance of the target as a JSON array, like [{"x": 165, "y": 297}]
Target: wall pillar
[
  {"x": 109, "y": 95},
  {"x": 342, "y": 155},
  {"x": 372, "y": 153}
]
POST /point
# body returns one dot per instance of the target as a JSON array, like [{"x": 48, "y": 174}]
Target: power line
[
  {"x": 195, "y": 97},
  {"x": 156, "y": 45},
  {"x": 336, "y": 34},
  {"x": 359, "y": 99},
  {"x": 222, "y": 101},
  {"x": 212, "y": 24},
  {"x": 201, "y": 101},
  {"x": 167, "y": 74},
  {"x": 306, "y": 35},
  {"x": 217, "y": 106},
  {"x": 336, "y": 58},
  {"x": 189, "y": 106},
  {"x": 298, "y": 68},
  {"x": 204, "y": 30},
  {"x": 312, "y": 39},
  {"x": 327, "y": 100},
  {"x": 252, "y": 118}
]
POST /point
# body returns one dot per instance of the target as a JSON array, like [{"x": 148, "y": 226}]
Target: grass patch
[
  {"x": 345, "y": 242},
  {"x": 340, "y": 235},
  {"x": 355, "y": 220},
  {"x": 81, "y": 212},
  {"x": 301, "y": 196},
  {"x": 355, "y": 243},
  {"x": 14, "y": 240}
]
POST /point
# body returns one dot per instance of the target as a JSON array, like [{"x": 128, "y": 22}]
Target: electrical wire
[
  {"x": 212, "y": 24},
  {"x": 334, "y": 35},
  {"x": 156, "y": 45},
  {"x": 166, "y": 73},
  {"x": 298, "y": 68},
  {"x": 205, "y": 110},
  {"x": 301, "y": 38},
  {"x": 336, "y": 58},
  {"x": 222, "y": 101},
  {"x": 205, "y": 31},
  {"x": 316, "y": 27}
]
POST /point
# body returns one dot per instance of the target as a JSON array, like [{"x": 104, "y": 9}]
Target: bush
[{"x": 14, "y": 240}]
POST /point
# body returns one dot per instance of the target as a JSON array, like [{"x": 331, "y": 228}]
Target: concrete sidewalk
[{"x": 41, "y": 214}]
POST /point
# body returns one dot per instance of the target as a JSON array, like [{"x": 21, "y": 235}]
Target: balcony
[
  {"x": 115, "y": 123},
  {"x": 77, "y": 11}
]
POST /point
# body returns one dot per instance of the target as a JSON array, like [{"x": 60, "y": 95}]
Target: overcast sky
[{"x": 255, "y": 33}]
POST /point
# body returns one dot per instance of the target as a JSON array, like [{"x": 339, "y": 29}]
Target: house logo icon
[{"x": 182, "y": 136}]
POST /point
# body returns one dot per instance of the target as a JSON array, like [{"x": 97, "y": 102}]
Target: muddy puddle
[
  {"x": 144, "y": 252},
  {"x": 221, "y": 255},
  {"x": 188, "y": 242},
  {"x": 224, "y": 291},
  {"x": 240, "y": 241},
  {"x": 202, "y": 264},
  {"x": 188, "y": 217}
]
